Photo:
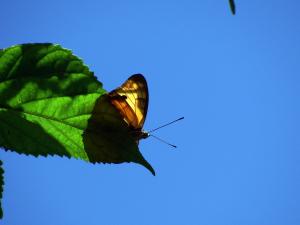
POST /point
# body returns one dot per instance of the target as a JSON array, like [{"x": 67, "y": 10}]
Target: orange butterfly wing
[{"x": 131, "y": 100}]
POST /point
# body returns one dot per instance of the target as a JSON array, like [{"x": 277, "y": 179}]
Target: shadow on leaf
[{"x": 107, "y": 138}]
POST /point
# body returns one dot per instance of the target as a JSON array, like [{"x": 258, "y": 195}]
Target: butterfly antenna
[
  {"x": 165, "y": 125},
  {"x": 174, "y": 146}
]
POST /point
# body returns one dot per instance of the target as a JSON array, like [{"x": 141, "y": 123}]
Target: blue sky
[{"x": 234, "y": 78}]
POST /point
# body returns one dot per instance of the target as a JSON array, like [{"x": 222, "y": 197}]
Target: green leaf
[
  {"x": 1, "y": 188},
  {"x": 51, "y": 104}
]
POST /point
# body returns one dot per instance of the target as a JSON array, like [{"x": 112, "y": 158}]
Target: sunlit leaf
[{"x": 48, "y": 107}]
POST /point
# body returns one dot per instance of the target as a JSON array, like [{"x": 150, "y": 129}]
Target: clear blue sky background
[{"x": 234, "y": 78}]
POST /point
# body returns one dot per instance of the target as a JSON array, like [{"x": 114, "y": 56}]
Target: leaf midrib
[{"x": 48, "y": 117}]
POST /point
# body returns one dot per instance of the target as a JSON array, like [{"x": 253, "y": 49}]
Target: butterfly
[
  {"x": 115, "y": 125},
  {"x": 131, "y": 101}
]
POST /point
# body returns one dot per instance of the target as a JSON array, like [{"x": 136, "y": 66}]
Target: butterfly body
[{"x": 131, "y": 101}]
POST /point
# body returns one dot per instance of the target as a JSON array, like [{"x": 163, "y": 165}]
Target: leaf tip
[{"x": 147, "y": 165}]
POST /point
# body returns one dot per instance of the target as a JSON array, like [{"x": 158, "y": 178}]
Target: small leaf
[
  {"x": 232, "y": 6},
  {"x": 1, "y": 188}
]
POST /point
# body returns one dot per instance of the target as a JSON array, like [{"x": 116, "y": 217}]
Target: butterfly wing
[{"x": 131, "y": 100}]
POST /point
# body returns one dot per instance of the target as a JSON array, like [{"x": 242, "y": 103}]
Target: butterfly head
[
  {"x": 140, "y": 134},
  {"x": 144, "y": 135}
]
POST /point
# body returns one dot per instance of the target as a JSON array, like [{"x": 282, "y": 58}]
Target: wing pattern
[{"x": 131, "y": 100}]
